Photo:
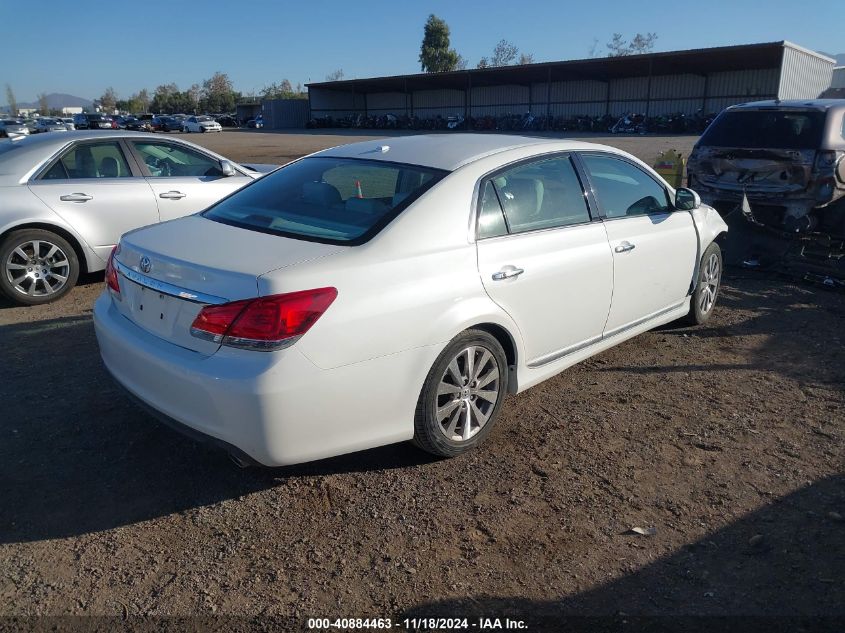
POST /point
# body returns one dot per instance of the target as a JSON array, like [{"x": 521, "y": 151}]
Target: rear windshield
[
  {"x": 771, "y": 129},
  {"x": 331, "y": 200}
]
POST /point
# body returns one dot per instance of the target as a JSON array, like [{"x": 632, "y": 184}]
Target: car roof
[
  {"x": 446, "y": 151},
  {"x": 791, "y": 104}
]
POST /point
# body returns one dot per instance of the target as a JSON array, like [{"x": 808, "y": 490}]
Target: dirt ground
[{"x": 728, "y": 440}]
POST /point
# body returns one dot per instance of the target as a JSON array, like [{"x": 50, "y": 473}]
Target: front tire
[
  {"x": 703, "y": 299},
  {"x": 462, "y": 395},
  {"x": 37, "y": 266}
]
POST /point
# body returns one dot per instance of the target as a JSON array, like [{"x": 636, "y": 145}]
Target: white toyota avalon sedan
[{"x": 398, "y": 289}]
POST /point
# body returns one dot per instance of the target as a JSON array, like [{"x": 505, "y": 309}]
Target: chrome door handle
[
  {"x": 507, "y": 273},
  {"x": 624, "y": 247},
  {"x": 76, "y": 197},
  {"x": 172, "y": 195}
]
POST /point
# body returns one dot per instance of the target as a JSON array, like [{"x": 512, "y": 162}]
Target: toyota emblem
[{"x": 145, "y": 264}]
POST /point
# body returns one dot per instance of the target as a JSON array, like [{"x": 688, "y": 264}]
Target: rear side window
[
  {"x": 90, "y": 160},
  {"x": 542, "y": 194},
  {"x": 491, "y": 219},
  {"x": 766, "y": 129},
  {"x": 332, "y": 200}
]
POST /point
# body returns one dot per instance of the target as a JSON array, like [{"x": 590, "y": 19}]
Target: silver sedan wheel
[
  {"x": 710, "y": 275},
  {"x": 37, "y": 268},
  {"x": 467, "y": 393}
]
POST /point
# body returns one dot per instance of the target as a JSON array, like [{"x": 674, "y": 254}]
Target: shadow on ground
[
  {"x": 76, "y": 456},
  {"x": 714, "y": 584}
]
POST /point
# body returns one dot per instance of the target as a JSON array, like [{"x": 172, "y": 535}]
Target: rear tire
[
  {"x": 462, "y": 395},
  {"x": 703, "y": 299},
  {"x": 37, "y": 266}
]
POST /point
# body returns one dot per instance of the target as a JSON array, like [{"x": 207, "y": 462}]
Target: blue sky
[{"x": 154, "y": 42}]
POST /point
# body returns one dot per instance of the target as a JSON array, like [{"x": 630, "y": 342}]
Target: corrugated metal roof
[{"x": 693, "y": 61}]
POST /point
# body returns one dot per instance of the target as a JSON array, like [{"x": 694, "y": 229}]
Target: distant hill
[
  {"x": 56, "y": 100},
  {"x": 840, "y": 58}
]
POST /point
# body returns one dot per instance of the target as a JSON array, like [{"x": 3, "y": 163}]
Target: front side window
[
  {"x": 624, "y": 189},
  {"x": 333, "y": 200},
  {"x": 541, "y": 195},
  {"x": 90, "y": 160},
  {"x": 165, "y": 160}
]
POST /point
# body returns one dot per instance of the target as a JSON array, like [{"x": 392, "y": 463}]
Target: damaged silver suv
[
  {"x": 777, "y": 168},
  {"x": 785, "y": 156}
]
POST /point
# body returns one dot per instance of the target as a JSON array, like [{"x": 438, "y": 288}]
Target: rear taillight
[
  {"x": 111, "y": 273},
  {"x": 266, "y": 323}
]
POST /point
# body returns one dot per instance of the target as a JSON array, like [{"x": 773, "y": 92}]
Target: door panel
[
  {"x": 562, "y": 298},
  {"x": 654, "y": 275},
  {"x": 93, "y": 188},
  {"x": 654, "y": 247}
]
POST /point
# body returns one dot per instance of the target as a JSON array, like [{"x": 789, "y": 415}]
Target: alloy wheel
[
  {"x": 709, "y": 284},
  {"x": 37, "y": 268},
  {"x": 467, "y": 393}
]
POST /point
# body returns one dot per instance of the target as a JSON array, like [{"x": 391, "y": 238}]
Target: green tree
[
  {"x": 10, "y": 99},
  {"x": 143, "y": 100},
  {"x": 163, "y": 98},
  {"x": 43, "y": 106},
  {"x": 435, "y": 54},
  {"x": 218, "y": 94},
  {"x": 109, "y": 100}
]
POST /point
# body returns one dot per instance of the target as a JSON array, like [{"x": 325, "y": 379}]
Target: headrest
[
  {"x": 321, "y": 193},
  {"x": 366, "y": 205},
  {"x": 109, "y": 168}
]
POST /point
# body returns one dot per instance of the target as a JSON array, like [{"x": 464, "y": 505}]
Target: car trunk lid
[{"x": 169, "y": 271}]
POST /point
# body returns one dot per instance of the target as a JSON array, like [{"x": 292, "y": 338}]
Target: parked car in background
[
  {"x": 31, "y": 125},
  {"x": 138, "y": 125},
  {"x": 13, "y": 127},
  {"x": 166, "y": 124},
  {"x": 67, "y": 198},
  {"x": 93, "y": 121},
  {"x": 68, "y": 121},
  {"x": 228, "y": 121},
  {"x": 201, "y": 124},
  {"x": 257, "y": 122},
  {"x": 781, "y": 166},
  {"x": 786, "y": 157},
  {"x": 46, "y": 124},
  {"x": 416, "y": 280}
]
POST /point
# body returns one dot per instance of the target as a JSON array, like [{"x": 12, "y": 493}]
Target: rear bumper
[{"x": 276, "y": 407}]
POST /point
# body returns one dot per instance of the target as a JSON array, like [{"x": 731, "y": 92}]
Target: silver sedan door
[
  {"x": 184, "y": 180},
  {"x": 99, "y": 191}
]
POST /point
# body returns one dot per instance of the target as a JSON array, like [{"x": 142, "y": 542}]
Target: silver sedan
[{"x": 65, "y": 200}]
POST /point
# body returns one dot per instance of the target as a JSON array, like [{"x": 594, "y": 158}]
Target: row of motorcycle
[{"x": 630, "y": 123}]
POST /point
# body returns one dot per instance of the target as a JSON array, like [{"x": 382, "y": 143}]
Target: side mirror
[
  {"x": 227, "y": 168},
  {"x": 686, "y": 199}
]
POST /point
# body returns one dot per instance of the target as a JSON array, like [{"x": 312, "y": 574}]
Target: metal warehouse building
[{"x": 708, "y": 79}]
